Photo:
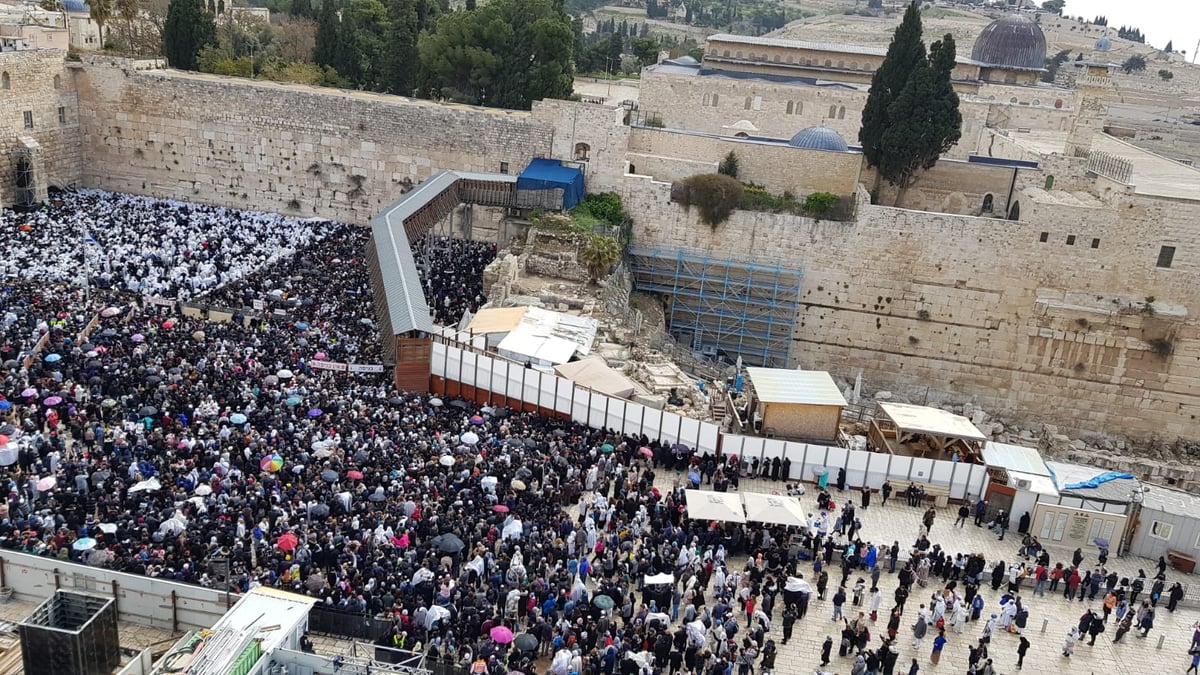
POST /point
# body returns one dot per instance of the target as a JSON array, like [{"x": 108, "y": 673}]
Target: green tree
[
  {"x": 1055, "y": 6},
  {"x": 904, "y": 54},
  {"x": 1166, "y": 74},
  {"x": 363, "y": 57},
  {"x": 507, "y": 53},
  {"x": 325, "y": 52},
  {"x": 1134, "y": 64},
  {"x": 403, "y": 64},
  {"x": 729, "y": 165},
  {"x": 645, "y": 50},
  {"x": 471, "y": 5},
  {"x": 924, "y": 120},
  {"x": 598, "y": 254},
  {"x": 101, "y": 11},
  {"x": 187, "y": 30}
]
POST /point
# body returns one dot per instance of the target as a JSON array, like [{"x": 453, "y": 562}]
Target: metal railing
[{"x": 352, "y": 625}]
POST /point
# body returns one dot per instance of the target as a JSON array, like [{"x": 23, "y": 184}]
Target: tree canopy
[
  {"x": 507, "y": 53},
  {"x": 188, "y": 28},
  {"x": 904, "y": 54}
]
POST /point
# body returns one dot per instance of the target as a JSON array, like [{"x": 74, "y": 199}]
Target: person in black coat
[
  {"x": 775, "y": 465},
  {"x": 826, "y": 648},
  {"x": 841, "y": 479},
  {"x": 1023, "y": 524}
]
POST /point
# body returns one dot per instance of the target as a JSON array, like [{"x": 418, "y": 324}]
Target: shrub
[
  {"x": 654, "y": 121},
  {"x": 714, "y": 194},
  {"x": 820, "y": 203},
  {"x": 1166, "y": 74},
  {"x": 604, "y": 206}
]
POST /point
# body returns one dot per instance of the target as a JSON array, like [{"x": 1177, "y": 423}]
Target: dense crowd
[
  {"x": 156, "y": 444},
  {"x": 452, "y": 272}
]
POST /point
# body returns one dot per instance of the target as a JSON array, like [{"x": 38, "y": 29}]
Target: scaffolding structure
[{"x": 723, "y": 307}]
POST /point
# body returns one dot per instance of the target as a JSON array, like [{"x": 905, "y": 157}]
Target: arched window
[
  {"x": 1013, "y": 100},
  {"x": 581, "y": 152},
  {"x": 988, "y": 200},
  {"x": 57, "y": 82},
  {"x": 832, "y": 111},
  {"x": 789, "y": 108},
  {"x": 842, "y": 113},
  {"x": 790, "y": 58},
  {"x": 716, "y": 98},
  {"x": 749, "y": 100},
  {"x": 704, "y": 100},
  {"x": 854, "y": 65},
  {"x": 1050, "y": 181},
  {"x": 841, "y": 64},
  {"x": 742, "y": 134},
  {"x": 5, "y": 81},
  {"x": 776, "y": 58},
  {"x": 828, "y": 63},
  {"x": 1036, "y": 102},
  {"x": 799, "y": 107},
  {"x": 725, "y": 53},
  {"x": 739, "y": 55},
  {"x": 1015, "y": 212}
]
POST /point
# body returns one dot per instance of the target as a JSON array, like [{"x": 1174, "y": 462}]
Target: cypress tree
[
  {"x": 188, "y": 28},
  {"x": 326, "y": 49},
  {"x": 301, "y": 8},
  {"x": 403, "y": 60},
  {"x": 904, "y": 54}
]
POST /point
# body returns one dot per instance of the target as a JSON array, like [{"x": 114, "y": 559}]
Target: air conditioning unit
[{"x": 1023, "y": 483}]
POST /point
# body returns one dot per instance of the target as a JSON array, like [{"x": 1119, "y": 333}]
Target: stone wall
[
  {"x": 956, "y": 308},
  {"x": 288, "y": 148},
  {"x": 953, "y": 186},
  {"x": 776, "y": 166},
  {"x": 39, "y": 83}
]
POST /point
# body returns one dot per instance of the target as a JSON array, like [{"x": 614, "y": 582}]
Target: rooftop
[
  {"x": 783, "y": 385},
  {"x": 935, "y": 421},
  {"x": 865, "y": 50}
]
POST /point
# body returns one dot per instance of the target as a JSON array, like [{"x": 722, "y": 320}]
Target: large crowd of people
[
  {"x": 157, "y": 444},
  {"x": 452, "y": 271}
]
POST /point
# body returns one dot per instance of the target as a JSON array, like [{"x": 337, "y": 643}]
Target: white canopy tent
[
  {"x": 725, "y": 506},
  {"x": 774, "y": 509}
]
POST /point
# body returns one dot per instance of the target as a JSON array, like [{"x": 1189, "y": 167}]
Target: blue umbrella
[
  {"x": 5, "y": 405},
  {"x": 84, "y": 544},
  {"x": 314, "y": 412},
  {"x": 146, "y": 469},
  {"x": 300, "y": 325},
  {"x": 237, "y": 418},
  {"x": 53, "y": 358},
  {"x": 292, "y": 401}
]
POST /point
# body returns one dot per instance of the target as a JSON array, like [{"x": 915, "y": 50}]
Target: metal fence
[{"x": 351, "y": 625}]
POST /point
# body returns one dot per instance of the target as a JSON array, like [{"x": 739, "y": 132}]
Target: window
[
  {"x": 1197, "y": 541},
  {"x": 790, "y": 58},
  {"x": 776, "y": 58},
  {"x": 1070, "y": 240},
  {"x": 581, "y": 152},
  {"x": 62, "y": 115},
  {"x": 57, "y": 82},
  {"x": 5, "y": 81},
  {"x": 789, "y": 107},
  {"x": 799, "y": 107},
  {"x": 841, "y": 64},
  {"x": 832, "y": 111},
  {"x": 842, "y": 113},
  {"x": 716, "y": 97},
  {"x": 854, "y": 65},
  {"x": 749, "y": 101},
  {"x": 1045, "y": 237},
  {"x": 1166, "y": 254},
  {"x": 725, "y": 53},
  {"x": 988, "y": 202},
  {"x": 503, "y": 167},
  {"x": 1013, "y": 100},
  {"x": 739, "y": 55},
  {"x": 1160, "y": 530},
  {"x": 704, "y": 100},
  {"x": 758, "y": 103},
  {"x": 1036, "y": 102},
  {"x": 1049, "y": 181},
  {"x": 1095, "y": 243},
  {"x": 828, "y": 63},
  {"x": 29, "y": 121}
]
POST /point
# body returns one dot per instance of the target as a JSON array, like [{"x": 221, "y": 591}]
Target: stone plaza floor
[{"x": 1163, "y": 651}]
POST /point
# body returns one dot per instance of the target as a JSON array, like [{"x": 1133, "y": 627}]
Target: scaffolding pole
[{"x": 741, "y": 308}]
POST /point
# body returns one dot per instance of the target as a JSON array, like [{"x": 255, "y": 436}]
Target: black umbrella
[
  {"x": 524, "y": 473},
  {"x": 147, "y": 411},
  {"x": 95, "y": 380},
  {"x": 515, "y": 443},
  {"x": 459, "y": 404},
  {"x": 319, "y": 511},
  {"x": 329, "y": 476},
  {"x": 530, "y": 443},
  {"x": 99, "y": 477},
  {"x": 94, "y": 363},
  {"x": 559, "y": 433},
  {"x": 8, "y": 430},
  {"x": 153, "y": 379},
  {"x": 449, "y": 543},
  {"x": 396, "y": 400},
  {"x": 525, "y": 642},
  {"x": 175, "y": 371}
]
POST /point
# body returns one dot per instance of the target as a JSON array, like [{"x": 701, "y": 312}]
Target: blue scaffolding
[{"x": 723, "y": 307}]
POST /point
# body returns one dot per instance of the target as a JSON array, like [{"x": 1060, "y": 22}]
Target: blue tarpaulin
[
  {"x": 1095, "y": 481},
  {"x": 550, "y": 174}
]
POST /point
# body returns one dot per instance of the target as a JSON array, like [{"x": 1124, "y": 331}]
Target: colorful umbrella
[
  {"x": 501, "y": 635},
  {"x": 237, "y": 418},
  {"x": 84, "y": 544},
  {"x": 476, "y": 420},
  {"x": 607, "y": 447},
  {"x": 300, "y": 325},
  {"x": 29, "y": 393},
  {"x": 354, "y": 474},
  {"x": 168, "y": 324},
  {"x": 320, "y": 356},
  {"x": 646, "y": 452},
  {"x": 110, "y": 312},
  {"x": 272, "y": 463},
  {"x": 4, "y": 439},
  {"x": 314, "y": 412},
  {"x": 287, "y": 542},
  {"x": 5, "y": 405},
  {"x": 53, "y": 358},
  {"x": 500, "y": 508},
  {"x": 53, "y": 400},
  {"x": 47, "y": 483},
  {"x": 137, "y": 337}
]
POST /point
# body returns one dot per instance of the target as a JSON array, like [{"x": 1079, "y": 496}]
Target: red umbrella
[
  {"x": 500, "y": 508},
  {"x": 287, "y": 542},
  {"x": 354, "y": 474}
]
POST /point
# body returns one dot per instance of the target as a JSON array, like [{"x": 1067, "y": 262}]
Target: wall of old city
[
  {"x": 776, "y": 166},
  {"x": 952, "y": 186},
  {"x": 950, "y": 307},
  {"x": 286, "y": 148},
  {"x": 38, "y": 84}
]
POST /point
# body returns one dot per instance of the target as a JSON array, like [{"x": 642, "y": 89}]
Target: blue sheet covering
[
  {"x": 550, "y": 174},
  {"x": 1095, "y": 481}
]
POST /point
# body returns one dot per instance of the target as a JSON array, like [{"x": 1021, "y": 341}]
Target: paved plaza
[{"x": 1050, "y": 617}]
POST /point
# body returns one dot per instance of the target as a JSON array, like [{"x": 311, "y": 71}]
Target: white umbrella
[
  {"x": 774, "y": 509},
  {"x": 148, "y": 484},
  {"x": 108, "y": 528},
  {"x": 513, "y": 530},
  {"x": 655, "y": 579},
  {"x": 435, "y": 613},
  {"x": 173, "y": 527},
  {"x": 423, "y": 574},
  {"x": 695, "y": 631},
  {"x": 470, "y": 438},
  {"x": 9, "y": 454},
  {"x": 284, "y": 374},
  {"x": 796, "y": 584},
  {"x": 203, "y": 489},
  {"x": 446, "y": 460}
]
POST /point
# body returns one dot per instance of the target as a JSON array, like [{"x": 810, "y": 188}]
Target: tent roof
[
  {"x": 550, "y": 174},
  {"x": 496, "y": 320},
  {"x": 525, "y": 342},
  {"x": 783, "y": 385},
  {"x": 1014, "y": 458},
  {"x": 774, "y": 509},
  {"x": 935, "y": 421},
  {"x": 704, "y": 505},
  {"x": 594, "y": 373}
]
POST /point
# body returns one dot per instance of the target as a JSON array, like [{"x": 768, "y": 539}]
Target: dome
[
  {"x": 1011, "y": 41},
  {"x": 1103, "y": 44},
  {"x": 76, "y": 6},
  {"x": 819, "y": 138}
]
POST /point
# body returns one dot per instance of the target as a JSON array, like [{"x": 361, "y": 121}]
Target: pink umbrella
[
  {"x": 500, "y": 508},
  {"x": 476, "y": 420},
  {"x": 29, "y": 393},
  {"x": 168, "y": 324},
  {"x": 501, "y": 635},
  {"x": 320, "y": 356},
  {"x": 271, "y": 463},
  {"x": 47, "y": 483},
  {"x": 137, "y": 337},
  {"x": 354, "y": 474},
  {"x": 646, "y": 452},
  {"x": 53, "y": 400}
]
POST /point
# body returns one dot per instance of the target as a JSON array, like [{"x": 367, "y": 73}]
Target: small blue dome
[
  {"x": 1103, "y": 44},
  {"x": 76, "y": 6},
  {"x": 819, "y": 138}
]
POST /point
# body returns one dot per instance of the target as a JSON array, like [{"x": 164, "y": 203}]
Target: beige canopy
[{"x": 725, "y": 506}]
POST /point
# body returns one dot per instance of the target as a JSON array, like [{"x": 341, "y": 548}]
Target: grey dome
[
  {"x": 1011, "y": 41},
  {"x": 819, "y": 138},
  {"x": 1103, "y": 44}
]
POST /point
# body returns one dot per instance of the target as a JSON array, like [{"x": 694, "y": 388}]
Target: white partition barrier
[{"x": 710, "y": 438}]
